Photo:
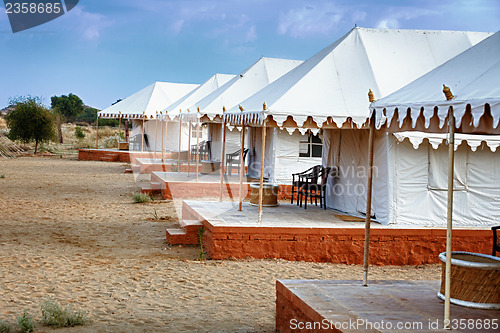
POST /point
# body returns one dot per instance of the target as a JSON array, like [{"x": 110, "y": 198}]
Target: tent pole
[
  {"x": 368, "y": 201},
  {"x": 162, "y": 138},
  {"x": 189, "y": 146},
  {"x": 262, "y": 157},
  {"x": 242, "y": 166},
  {"x": 142, "y": 142},
  {"x": 156, "y": 131},
  {"x": 197, "y": 146},
  {"x": 97, "y": 133},
  {"x": 166, "y": 136},
  {"x": 222, "y": 159},
  {"x": 180, "y": 146},
  {"x": 449, "y": 224},
  {"x": 119, "y": 131}
]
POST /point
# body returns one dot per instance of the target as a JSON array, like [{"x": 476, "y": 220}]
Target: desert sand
[{"x": 69, "y": 230}]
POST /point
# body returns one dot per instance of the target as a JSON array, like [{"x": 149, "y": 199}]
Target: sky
[{"x": 104, "y": 50}]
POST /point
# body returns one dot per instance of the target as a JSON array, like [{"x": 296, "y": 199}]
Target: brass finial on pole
[
  {"x": 371, "y": 96},
  {"x": 223, "y": 108},
  {"x": 447, "y": 93},
  {"x": 264, "y": 106},
  {"x": 240, "y": 107}
]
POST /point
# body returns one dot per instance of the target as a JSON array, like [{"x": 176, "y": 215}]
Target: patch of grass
[
  {"x": 55, "y": 315},
  {"x": 26, "y": 323},
  {"x": 2, "y": 176},
  {"x": 155, "y": 215},
  {"x": 79, "y": 132},
  {"x": 4, "y": 327},
  {"x": 141, "y": 198}
]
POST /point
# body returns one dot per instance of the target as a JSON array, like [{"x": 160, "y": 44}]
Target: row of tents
[{"x": 317, "y": 112}]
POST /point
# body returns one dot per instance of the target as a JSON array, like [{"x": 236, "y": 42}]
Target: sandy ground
[{"x": 69, "y": 230}]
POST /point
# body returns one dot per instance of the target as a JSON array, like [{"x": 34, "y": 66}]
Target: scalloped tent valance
[{"x": 474, "y": 79}]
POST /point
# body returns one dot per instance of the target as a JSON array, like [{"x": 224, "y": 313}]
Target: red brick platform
[
  {"x": 383, "y": 306},
  {"x": 175, "y": 185},
  {"x": 115, "y": 155},
  {"x": 293, "y": 233}
]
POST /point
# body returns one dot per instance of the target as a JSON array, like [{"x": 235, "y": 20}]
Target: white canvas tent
[
  {"x": 142, "y": 108},
  {"x": 329, "y": 90},
  {"x": 258, "y": 75},
  {"x": 472, "y": 105}
]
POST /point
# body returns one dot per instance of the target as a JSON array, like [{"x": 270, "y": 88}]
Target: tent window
[
  {"x": 193, "y": 131},
  {"x": 310, "y": 146}
]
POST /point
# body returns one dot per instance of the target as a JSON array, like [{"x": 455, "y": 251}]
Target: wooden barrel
[
  {"x": 475, "y": 280},
  {"x": 208, "y": 167},
  {"x": 269, "y": 195}
]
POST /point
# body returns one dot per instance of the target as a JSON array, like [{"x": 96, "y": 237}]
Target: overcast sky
[{"x": 103, "y": 50}]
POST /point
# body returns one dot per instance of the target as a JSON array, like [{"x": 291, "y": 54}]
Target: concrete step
[
  {"x": 136, "y": 168},
  {"x": 149, "y": 189},
  {"x": 176, "y": 236}
]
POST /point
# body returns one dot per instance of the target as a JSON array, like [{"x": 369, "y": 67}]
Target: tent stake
[
  {"x": 222, "y": 159},
  {"x": 449, "y": 224},
  {"x": 262, "y": 157},
  {"x": 242, "y": 167},
  {"x": 368, "y": 201}
]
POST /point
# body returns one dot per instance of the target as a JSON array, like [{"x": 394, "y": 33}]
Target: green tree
[
  {"x": 67, "y": 108},
  {"x": 30, "y": 121}
]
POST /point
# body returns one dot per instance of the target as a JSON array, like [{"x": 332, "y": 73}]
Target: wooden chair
[
  {"x": 314, "y": 186},
  {"x": 296, "y": 180},
  {"x": 496, "y": 244},
  {"x": 233, "y": 160},
  {"x": 204, "y": 150}
]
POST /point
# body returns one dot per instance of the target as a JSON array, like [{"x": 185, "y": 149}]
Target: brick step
[
  {"x": 176, "y": 236},
  {"x": 151, "y": 189}
]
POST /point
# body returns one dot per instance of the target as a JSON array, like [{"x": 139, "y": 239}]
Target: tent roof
[
  {"x": 473, "y": 77},
  {"x": 213, "y": 83},
  {"x": 263, "y": 72},
  {"x": 335, "y": 82},
  {"x": 148, "y": 101}
]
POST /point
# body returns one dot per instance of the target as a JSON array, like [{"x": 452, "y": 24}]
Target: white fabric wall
[
  {"x": 420, "y": 187},
  {"x": 286, "y": 157},
  {"x": 348, "y": 151},
  {"x": 171, "y": 142},
  {"x": 254, "y": 139},
  {"x": 410, "y": 185},
  {"x": 233, "y": 140}
]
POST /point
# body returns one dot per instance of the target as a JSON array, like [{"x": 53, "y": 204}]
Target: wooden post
[
  {"x": 142, "y": 142},
  {"x": 223, "y": 158},
  {"x": 166, "y": 136},
  {"x": 156, "y": 132},
  {"x": 162, "y": 137},
  {"x": 97, "y": 133},
  {"x": 119, "y": 131},
  {"x": 180, "y": 145},
  {"x": 189, "y": 147},
  {"x": 242, "y": 167},
  {"x": 262, "y": 158},
  {"x": 449, "y": 224},
  {"x": 368, "y": 200},
  {"x": 197, "y": 145}
]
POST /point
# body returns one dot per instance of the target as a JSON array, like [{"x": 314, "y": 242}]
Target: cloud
[
  {"x": 321, "y": 17},
  {"x": 395, "y": 16},
  {"x": 88, "y": 24},
  {"x": 251, "y": 34}
]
